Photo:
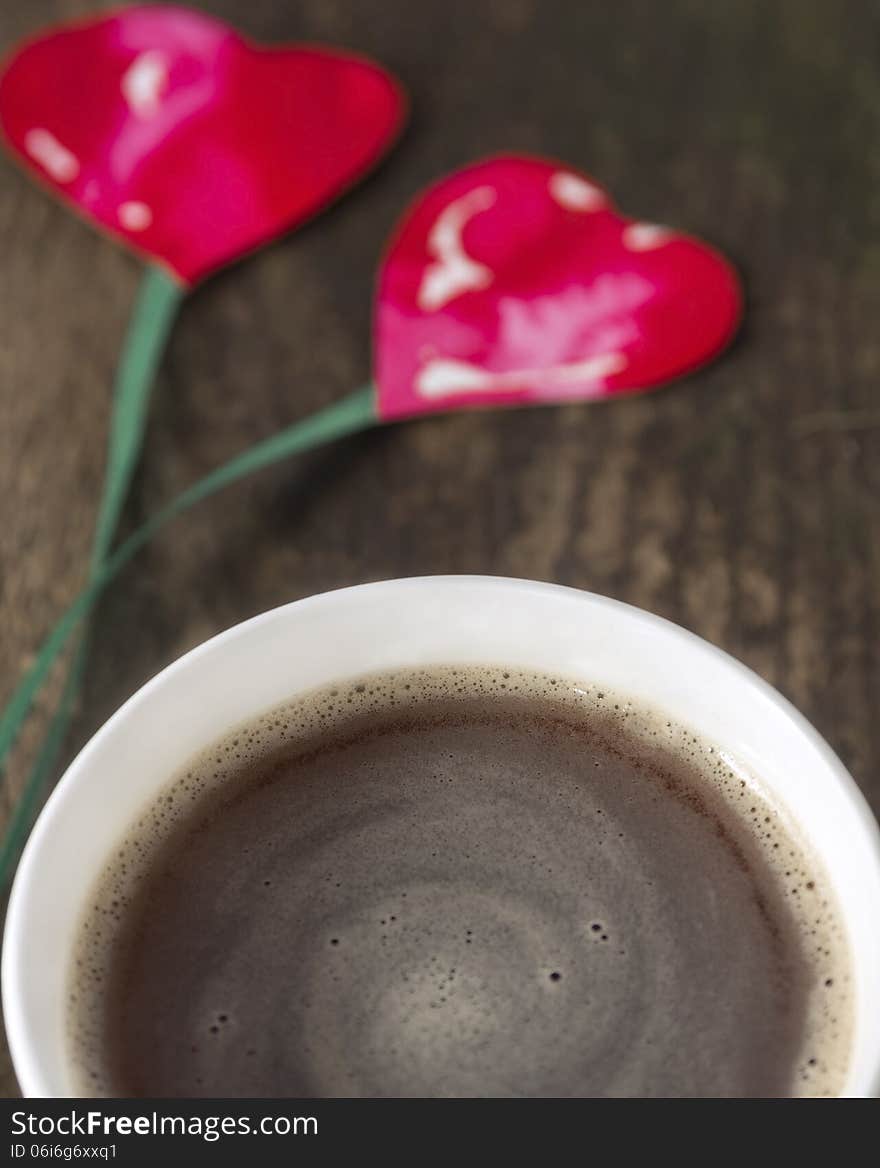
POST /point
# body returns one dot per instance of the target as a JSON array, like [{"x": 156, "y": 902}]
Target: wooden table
[{"x": 742, "y": 503}]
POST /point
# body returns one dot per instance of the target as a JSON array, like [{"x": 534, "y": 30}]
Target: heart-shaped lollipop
[
  {"x": 512, "y": 281},
  {"x": 192, "y": 146},
  {"x": 188, "y": 142},
  {"x": 516, "y": 280}
]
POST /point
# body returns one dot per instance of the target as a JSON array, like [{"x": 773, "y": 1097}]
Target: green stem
[
  {"x": 154, "y": 312},
  {"x": 355, "y": 412},
  {"x": 157, "y": 304}
]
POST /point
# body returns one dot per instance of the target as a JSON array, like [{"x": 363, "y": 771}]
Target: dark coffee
[{"x": 461, "y": 882}]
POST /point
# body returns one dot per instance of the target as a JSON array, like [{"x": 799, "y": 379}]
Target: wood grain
[{"x": 742, "y": 503}]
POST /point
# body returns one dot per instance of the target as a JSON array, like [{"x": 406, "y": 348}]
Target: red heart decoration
[
  {"x": 186, "y": 141},
  {"x": 515, "y": 280}
]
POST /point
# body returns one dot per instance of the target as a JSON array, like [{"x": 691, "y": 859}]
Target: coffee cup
[{"x": 402, "y": 624}]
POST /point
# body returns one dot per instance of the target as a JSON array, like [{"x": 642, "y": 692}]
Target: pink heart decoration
[
  {"x": 186, "y": 141},
  {"x": 516, "y": 280}
]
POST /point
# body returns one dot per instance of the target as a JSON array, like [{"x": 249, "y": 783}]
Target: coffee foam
[{"x": 309, "y": 722}]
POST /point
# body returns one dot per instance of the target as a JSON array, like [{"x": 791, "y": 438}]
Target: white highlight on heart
[
  {"x": 645, "y": 236},
  {"x": 574, "y": 193},
  {"x": 454, "y": 272},
  {"x": 135, "y": 216},
  {"x": 445, "y": 377},
  {"x": 144, "y": 82},
  {"x": 57, "y": 161}
]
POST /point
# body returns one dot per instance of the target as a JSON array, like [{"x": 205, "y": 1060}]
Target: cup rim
[{"x": 28, "y": 1070}]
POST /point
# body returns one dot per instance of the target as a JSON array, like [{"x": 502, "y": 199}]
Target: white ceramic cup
[{"x": 417, "y": 622}]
